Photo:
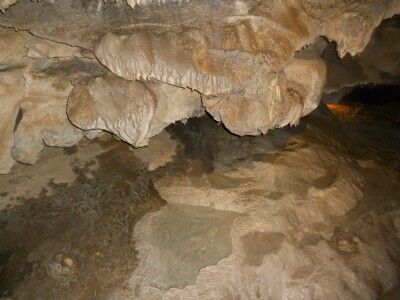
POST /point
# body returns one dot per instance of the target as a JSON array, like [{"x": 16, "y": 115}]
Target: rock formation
[
  {"x": 4, "y": 4},
  {"x": 133, "y": 67},
  {"x": 134, "y": 111},
  {"x": 36, "y": 78},
  {"x": 311, "y": 212},
  {"x": 296, "y": 214},
  {"x": 377, "y": 64}
]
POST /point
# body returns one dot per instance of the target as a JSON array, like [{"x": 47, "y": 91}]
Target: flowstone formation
[
  {"x": 36, "y": 78},
  {"x": 75, "y": 68},
  {"x": 378, "y": 64},
  {"x": 302, "y": 217},
  {"x": 308, "y": 212}
]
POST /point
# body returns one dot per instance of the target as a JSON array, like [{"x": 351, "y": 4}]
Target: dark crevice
[
  {"x": 374, "y": 95},
  {"x": 18, "y": 119}
]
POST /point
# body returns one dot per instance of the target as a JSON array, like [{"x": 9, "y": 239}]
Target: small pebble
[{"x": 69, "y": 262}]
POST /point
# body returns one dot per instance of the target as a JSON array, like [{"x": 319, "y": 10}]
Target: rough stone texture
[
  {"x": 132, "y": 110},
  {"x": 43, "y": 118},
  {"x": 256, "y": 64},
  {"x": 11, "y": 92},
  {"x": 113, "y": 104},
  {"x": 289, "y": 216},
  {"x": 133, "y": 3},
  {"x": 270, "y": 100},
  {"x": 57, "y": 168},
  {"x": 36, "y": 78},
  {"x": 350, "y": 23},
  {"x": 160, "y": 151},
  {"x": 307, "y": 223},
  {"x": 252, "y": 76},
  {"x": 377, "y": 64},
  {"x": 294, "y": 93},
  {"x": 174, "y": 257},
  {"x": 4, "y": 4},
  {"x": 12, "y": 89},
  {"x": 43, "y": 74},
  {"x": 310, "y": 212},
  {"x": 43, "y": 107},
  {"x": 173, "y": 104}
]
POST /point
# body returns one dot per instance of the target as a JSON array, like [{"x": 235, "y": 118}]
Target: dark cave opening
[
  {"x": 379, "y": 95},
  {"x": 375, "y": 105},
  {"x": 182, "y": 149}
]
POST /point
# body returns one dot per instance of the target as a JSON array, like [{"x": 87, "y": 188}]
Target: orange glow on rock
[{"x": 343, "y": 110}]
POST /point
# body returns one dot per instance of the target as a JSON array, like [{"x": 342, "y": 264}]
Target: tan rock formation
[
  {"x": 11, "y": 93},
  {"x": 251, "y": 62},
  {"x": 285, "y": 222},
  {"x": 377, "y": 64},
  {"x": 231, "y": 60},
  {"x": 43, "y": 118},
  {"x": 132, "y": 110},
  {"x": 113, "y": 104},
  {"x": 289, "y": 96},
  {"x": 35, "y": 80},
  {"x": 294, "y": 215},
  {"x": 254, "y": 97},
  {"x": 4, "y": 4},
  {"x": 12, "y": 89}
]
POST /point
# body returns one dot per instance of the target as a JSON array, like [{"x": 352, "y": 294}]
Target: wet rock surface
[
  {"x": 301, "y": 212},
  {"x": 306, "y": 212},
  {"x": 76, "y": 243},
  {"x": 314, "y": 220},
  {"x": 181, "y": 241}
]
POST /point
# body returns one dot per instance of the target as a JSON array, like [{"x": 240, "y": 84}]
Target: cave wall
[{"x": 72, "y": 69}]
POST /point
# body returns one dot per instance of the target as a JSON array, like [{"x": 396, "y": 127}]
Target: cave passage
[{"x": 199, "y": 149}]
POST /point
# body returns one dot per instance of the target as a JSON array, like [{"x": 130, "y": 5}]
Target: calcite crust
[{"x": 134, "y": 67}]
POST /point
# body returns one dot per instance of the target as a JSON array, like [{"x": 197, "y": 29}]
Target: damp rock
[
  {"x": 248, "y": 84},
  {"x": 132, "y": 110},
  {"x": 44, "y": 119}
]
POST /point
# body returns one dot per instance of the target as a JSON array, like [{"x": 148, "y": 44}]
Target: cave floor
[{"x": 309, "y": 212}]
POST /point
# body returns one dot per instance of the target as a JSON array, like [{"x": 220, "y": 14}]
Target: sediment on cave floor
[{"x": 199, "y": 149}]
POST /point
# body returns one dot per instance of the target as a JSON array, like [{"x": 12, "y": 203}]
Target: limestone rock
[
  {"x": 111, "y": 103},
  {"x": 277, "y": 217},
  {"x": 133, "y": 3},
  {"x": 4, "y": 4},
  {"x": 250, "y": 81},
  {"x": 173, "y": 104},
  {"x": 160, "y": 151},
  {"x": 270, "y": 100},
  {"x": 293, "y": 94},
  {"x": 43, "y": 118},
  {"x": 174, "y": 58},
  {"x": 132, "y": 110},
  {"x": 212, "y": 230},
  {"x": 377, "y": 64},
  {"x": 36, "y": 78},
  {"x": 40, "y": 48},
  {"x": 12, "y": 89},
  {"x": 11, "y": 92},
  {"x": 43, "y": 107},
  {"x": 248, "y": 60}
]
